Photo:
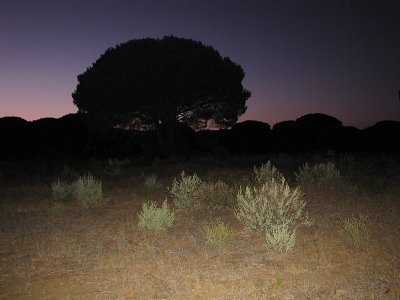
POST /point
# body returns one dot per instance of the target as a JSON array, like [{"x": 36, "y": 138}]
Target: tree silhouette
[{"x": 155, "y": 83}]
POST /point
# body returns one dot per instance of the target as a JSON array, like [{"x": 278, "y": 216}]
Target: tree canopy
[{"x": 155, "y": 83}]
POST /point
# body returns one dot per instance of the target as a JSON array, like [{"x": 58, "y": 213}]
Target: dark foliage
[
  {"x": 14, "y": 134},
  {"x": 384, "y": 134},
  {"x": 318, "y": 131},
  {"x": 251, "y": 137},
  {"x": 159, "y": 83},
  {"x": 284, "y": 136},
  {"x": 78, "y": 136}
]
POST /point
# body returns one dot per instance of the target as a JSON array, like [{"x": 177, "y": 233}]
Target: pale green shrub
[
  {"x": 62, "y": 190},
  {"x": 280, "y": 238},
  {"x": 185, "y": 192},
  {"x": 274, "y": 209},
  {"x": 154, "y": 218},
  {"x": 218, "y": 235},
  {"x": 266, "y": 172},
  {"x": 318, "y": 175},
  {"x": 88, "y": 191},
  {"x": 273, "y": 203},
  {"x": 356, "y": 230},
  {"x": 217, "y": 194}
]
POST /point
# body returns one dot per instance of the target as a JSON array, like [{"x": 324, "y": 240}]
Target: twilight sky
[{"x": 338, "y": 57}]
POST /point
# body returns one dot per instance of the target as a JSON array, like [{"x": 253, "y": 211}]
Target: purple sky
[{"x": 340, "y": 58}]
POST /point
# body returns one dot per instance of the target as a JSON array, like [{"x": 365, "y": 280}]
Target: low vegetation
[
  {"x": 154, "y": 218},
  {"x": 151, "y": 186},
  {"x": 185, "y": 192},
  {"x": 228, "y": 229},
  {"x": 280, "y": 237},
  {"x": 62, "y": 191},
  {"x": 218, "y": 235},
  {"x": 318, "y": 175},
  {"x": 357, "y": 231},
  {"x": 216, "y": 194},
  {"x": 273, "y": 208},
  {"x": 86, "y": 190},
  {"x": 267, "y": 172}
]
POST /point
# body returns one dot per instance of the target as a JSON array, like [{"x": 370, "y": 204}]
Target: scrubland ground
[{"x": 60, "y": 250}]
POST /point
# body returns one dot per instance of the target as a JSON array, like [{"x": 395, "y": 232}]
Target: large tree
[{"x": 156, "y": 83}]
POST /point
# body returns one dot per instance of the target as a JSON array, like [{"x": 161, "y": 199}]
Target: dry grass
[{"x": 75, "y": 253}]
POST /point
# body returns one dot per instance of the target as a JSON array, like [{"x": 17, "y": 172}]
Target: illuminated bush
[
  {"x": 153, "y": 218},
  {"x": 280, "y": 238},
  {"x": 185, "y": 192},
  {"x": 87, "y": 190},
  {"x": 274, "y": 209}
]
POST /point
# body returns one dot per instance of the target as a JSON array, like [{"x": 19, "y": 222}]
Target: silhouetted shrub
[
  {"x": 252, "y": 137},
  {"x": 383, "y": 135}
]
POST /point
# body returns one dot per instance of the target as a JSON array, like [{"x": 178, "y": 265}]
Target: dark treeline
[{"x": 77, "y": 135}]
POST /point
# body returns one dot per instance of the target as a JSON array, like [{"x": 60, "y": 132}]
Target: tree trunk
[
  {"x": 160, "y": 141},
  {"x": 165, "y": 131}
]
